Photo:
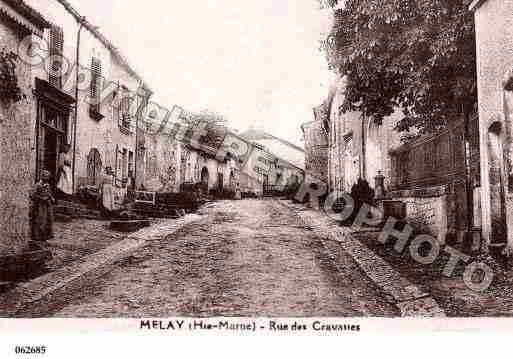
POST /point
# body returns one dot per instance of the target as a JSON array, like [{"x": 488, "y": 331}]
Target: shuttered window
[
  {"x": 96, "y": 81},
  {"x": 56, "y": 52},
  {"x": 125, "y": 103}
]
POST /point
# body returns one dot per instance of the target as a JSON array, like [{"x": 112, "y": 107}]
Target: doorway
[
  {"x": 232, "y": 180},
  {"x": 94, "y": 167},
  {"x": 51, "y": 145},
  {"x": 53, "y": 109},
  {"x": 204, "y": 180},
  {"x": 265, "y": 183},
  {"x": 220, "y": 181},
  {"x": 373, "y": 154}
]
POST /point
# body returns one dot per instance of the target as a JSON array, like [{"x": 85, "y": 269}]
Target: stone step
[
  {"x": 75, "y": 212},
  {"x": 129, "y": 226},
  {"x": 59, "y": 217},
  {"x": 74, "y": 204},
  {"x": 157, "y": 214}
]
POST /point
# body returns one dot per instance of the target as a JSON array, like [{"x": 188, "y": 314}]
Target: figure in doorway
[
  {"x": 64, "y": 173},
  {"x": 41, "y": 209},
  {"x": 238, "y": 194}
]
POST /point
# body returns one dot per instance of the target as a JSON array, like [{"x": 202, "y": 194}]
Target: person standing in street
[{"x": 41, "y": 209}]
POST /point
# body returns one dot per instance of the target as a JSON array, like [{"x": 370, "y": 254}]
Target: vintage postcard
[{"x": 318, "y": 167}]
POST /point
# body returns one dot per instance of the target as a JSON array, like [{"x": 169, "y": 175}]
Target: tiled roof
[
  {"x": 109, "y": 45},
  {"x": 255, "y": 135},
  {"x": 24, "y": 15},
  {"x": 476, "y": 4}
]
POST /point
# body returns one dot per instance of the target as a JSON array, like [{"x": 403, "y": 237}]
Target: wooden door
[{"x": 94, "y": 167}]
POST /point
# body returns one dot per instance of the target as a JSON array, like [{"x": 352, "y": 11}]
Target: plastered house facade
[
  {"x": 17, "y": 128},
  {"x": 494, "y": 44},
  {"x": 102, "y": 133}
]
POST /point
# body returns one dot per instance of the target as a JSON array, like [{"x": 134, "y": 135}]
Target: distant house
[
  {"x": 494, "y": 41},
  {"x": 280, "y": 162},
  {"x": 359, "y": 147},
  {"x": 277, "y": 146},
  {"x": 316, "y": 145}
]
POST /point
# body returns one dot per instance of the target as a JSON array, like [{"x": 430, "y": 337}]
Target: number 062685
[{"x": 27, "y": 349}]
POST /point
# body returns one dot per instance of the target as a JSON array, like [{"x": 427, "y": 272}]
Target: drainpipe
[
  {"x": 138, "y": 116},
  {"x": 468, "y": 179},
  {"x": 363, "y": 158},
  {"x": 136, "y": 148},
  {"x": 75, "y": 120}
]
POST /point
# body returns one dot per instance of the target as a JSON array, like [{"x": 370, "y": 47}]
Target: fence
[
  {"x": 436, "y": 160},
  {"x": 440, "y": 160}
]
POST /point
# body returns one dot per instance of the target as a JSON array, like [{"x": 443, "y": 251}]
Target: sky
[{"x": 255, "y": 62}]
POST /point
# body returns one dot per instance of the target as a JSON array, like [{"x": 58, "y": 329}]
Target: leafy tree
[
  {"x": 417, "y": 55},
  {"x": 208, "y": 116},
  {"x": 9, "y": 89},
  {"x": 215, "y": 125}
]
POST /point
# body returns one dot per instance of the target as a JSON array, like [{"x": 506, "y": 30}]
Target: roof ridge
[
  {"x": 103, "y": 39},
  {"x": 29, "y": 12}
]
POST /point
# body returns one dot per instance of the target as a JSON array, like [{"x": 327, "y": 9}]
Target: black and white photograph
[{"x": 256, "y": 166}]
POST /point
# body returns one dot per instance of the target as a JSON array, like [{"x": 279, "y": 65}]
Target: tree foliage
[
  {"x": 212, "y": 122},
  {"x": 9, "y": 89},
  {"x": 208, "y": 116},
  {"x": 417, "y": 55}
]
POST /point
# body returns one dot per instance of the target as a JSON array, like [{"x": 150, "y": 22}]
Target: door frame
[{"x": 48, "y": 96}]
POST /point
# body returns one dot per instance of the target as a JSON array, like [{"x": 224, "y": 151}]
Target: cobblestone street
[{"x": 244, "y": 258}]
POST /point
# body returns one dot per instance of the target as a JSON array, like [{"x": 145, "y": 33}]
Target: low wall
[{"x": 426, "y": 209}]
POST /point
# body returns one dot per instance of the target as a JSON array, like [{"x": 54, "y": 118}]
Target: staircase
[
  {"x": 158, "y": 211},
  {"x": 65, "y": 211}
]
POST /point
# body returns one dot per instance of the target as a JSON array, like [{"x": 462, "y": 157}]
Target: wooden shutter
[
  {"x": 56, "y": 49},
  {"x": 124, "y": 108},
  {"x": 96, "y": 75}
]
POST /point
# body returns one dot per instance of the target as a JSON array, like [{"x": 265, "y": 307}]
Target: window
[
  {"x": 96, "y": 82},
  {"x": 124, "y": 108},
  {"x": 279, "y": 177},
  {"x": 56, "y": 53},
  {"x": 124, "y": 164},
  {"x": 130, "y": 164},
  {"x": 123, "y": 112}
]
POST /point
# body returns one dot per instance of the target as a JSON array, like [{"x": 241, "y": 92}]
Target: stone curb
[
  {"x": 32, "y": 298},
  {"x": 407, "y": 297}
]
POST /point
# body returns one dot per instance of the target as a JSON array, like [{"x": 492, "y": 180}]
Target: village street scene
[{"x": 331, "y": 159}]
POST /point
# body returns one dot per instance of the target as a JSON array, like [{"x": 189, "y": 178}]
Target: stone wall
[
  {"x": 358, "y": 147},
  {"x": 345, "y": 143},
  {"x": 316, "y": 150},
  {"x": 428, "y": 210},
  {"x": 105, "y": 135},
  {"x": 159, "y": 168},
  {"x": 17, "y": 153}
]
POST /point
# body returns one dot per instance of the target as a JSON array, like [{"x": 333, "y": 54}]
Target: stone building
[
  {"x": 220, "y": 160},
  {"x": 494, "y": 21},
  {"x": 171, "y": 163},
  {"x": 358, "y": 147},
  {"x": 102, "y": 132},
  {"x": 278, "y": 146},
  {"x": 17, "y": 124},
  {"x": 316, "y": 145},
  {"x": 425, "y": 177},
  {"x": 273, "y": 162}
]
